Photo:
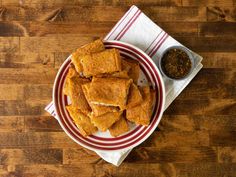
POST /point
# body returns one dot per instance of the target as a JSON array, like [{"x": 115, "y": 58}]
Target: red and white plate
[{"x": 103, "y": 141}]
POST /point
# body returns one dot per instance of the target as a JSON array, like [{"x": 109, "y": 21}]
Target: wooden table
[{"x": 197, "y": 135}]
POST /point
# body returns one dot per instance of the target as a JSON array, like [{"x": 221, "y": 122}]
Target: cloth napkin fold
[{"x": 137, "y": 29}]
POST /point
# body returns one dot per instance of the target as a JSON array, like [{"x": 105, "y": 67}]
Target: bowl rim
[
  {"x": 161, "y": 109},
  {"x": 187, "y": 51}
]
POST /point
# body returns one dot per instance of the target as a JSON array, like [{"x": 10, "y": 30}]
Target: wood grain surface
[{"x": 195, "y": 138}]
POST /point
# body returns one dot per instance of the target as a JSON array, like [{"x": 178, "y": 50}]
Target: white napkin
[{"x": 137, "y": 29}]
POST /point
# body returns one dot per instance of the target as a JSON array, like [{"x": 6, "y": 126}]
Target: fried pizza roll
[
  {"x": 134, "y": 97},
  {"x": 120, "y": 127},
  {"x": 108, "y": 91},
  {"x": 71, "y": 72},
  {"x": 141, "y": 114},
  {"x": 77, "y": 95},
  {"x": 82, "y": 121},
  {"x": 96, "y": 46},
  {"x": 133, "y": 67},
  {"x": 98, "y": 110},
  {"x": 105, "y": 121},
  {"x": 107, "y": 61}
]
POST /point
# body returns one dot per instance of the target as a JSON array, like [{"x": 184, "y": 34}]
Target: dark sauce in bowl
[{"x": 176, "y": 63}]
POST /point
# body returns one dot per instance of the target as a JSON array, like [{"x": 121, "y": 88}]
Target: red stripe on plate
[
  {"x": 110, "y": 148},
  {"x": 100, "y": 138},
  {"x": 76, "y": 130},
  {"x": 70, "y": 123},
  {"x": 157, "y": 81},
  {"x": 127, "y": 145},
  {"x": 122, "y": 137}
]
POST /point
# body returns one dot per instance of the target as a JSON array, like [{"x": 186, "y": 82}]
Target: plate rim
[{"x": 159, "y": 116}]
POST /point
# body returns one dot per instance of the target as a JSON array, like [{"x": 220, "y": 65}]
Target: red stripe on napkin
[
  {"x": 127, "y": 23},
  {"x": 49, "y": 106},
  {"x": 151, "y": 51},
  {"x": 159, "y": 45},
  {"x": 120, "y": 22},
  {"x": 153, "y": 41}
]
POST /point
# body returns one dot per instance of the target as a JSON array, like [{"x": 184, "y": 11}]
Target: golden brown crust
[
  {"x": 107, "y": 61},
  {"x": 134, "y": 97},
  {"x": 124, "y": 64},
  {"x": 105, "y": 121},
  {"x": 77, "y": 95},
  {"x": 108, "y": 91},
  {"x": 71, "y": 72},
  {"x": 99, "y": 104},
  {"x": 97, "y": 110},
  {"x": 96, "y": 46},
  {"x": 141, "y": 114},
  {"x": 134, "y": 70},
  {"x": 82, "y": 121},
  {"x": 120, "y": 127}
]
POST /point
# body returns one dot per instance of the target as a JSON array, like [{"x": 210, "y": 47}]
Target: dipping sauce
[{"x": 176, "y": 63}]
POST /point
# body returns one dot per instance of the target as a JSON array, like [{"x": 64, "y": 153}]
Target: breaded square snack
[
  {"x": 105, "y": 121},
  {"x": 107, "y": 61},
  {"x": 134, "y": 69},
  {"x": 82, "y": 121},
  {"x": 124, "y": 64},
  {"x": 71, "y": 72},
  {"x": 96, "y": 46},
  {"x": 77, "y": 95},
  {"x": 134, "y": 97},
  {"x": 97, "y": 110},
  {"x": 141, "y": 114},
  {"x": 120, "y": 127},
  {"x": 108, "y": 91}
]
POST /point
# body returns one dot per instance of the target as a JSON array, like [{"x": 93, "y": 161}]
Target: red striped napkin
[{"x": 137, "y": 29}]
